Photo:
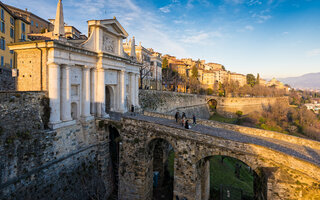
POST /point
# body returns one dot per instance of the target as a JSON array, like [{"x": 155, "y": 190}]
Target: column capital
[
  {"x": 65, "y": 66},
  {"x": 53, "y": 65}
]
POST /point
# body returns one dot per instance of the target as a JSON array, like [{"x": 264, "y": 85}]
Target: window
[
  {"x": 2, "y": 61},
  {"x": 2, "y": 44},
  {"x": 11, "y": 51},
  {"x": 2, "y": 14},
  {"x": 11, "y": 63},
  {"x": 37, "y": 25},
  {"x": 31, "y": 22},
  {"x": 11, "y": 21},
  {"x": 23, "y": 37},
  {"x": 11, "y": 33},
  {"x": 23, "y": 27},
  {"x": 3, "y": 27}
]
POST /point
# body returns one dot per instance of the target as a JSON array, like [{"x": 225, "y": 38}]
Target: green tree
[
  {"x": 194, "y": 71},
  {"x": 165, "y": 63},
  {"x": 251, "y": 80}
]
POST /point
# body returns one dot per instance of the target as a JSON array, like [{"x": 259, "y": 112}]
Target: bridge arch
[
  {"x": 214, "y": 170},
  {"x": 212, "y": 103},
  {"x": 160, "y": 171}
]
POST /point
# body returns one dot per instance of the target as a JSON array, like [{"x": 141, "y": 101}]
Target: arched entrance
[
  {"x": 224, "y": 177},
  {"x": 160, "y": 161},
  {"x": 114, "y": 141},
  {"x": 109, "y": 98}
]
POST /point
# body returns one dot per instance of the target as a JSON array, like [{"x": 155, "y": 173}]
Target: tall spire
[{"x": 59, "y": 21}]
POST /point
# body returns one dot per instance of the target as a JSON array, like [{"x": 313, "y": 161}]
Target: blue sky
[{"x": 276, "y": 38}]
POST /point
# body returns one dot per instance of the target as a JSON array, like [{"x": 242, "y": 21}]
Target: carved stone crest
[{"x": 108, "y": 44}]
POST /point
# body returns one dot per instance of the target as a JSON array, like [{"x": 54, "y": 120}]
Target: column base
[{"x": 57, "y": 125}]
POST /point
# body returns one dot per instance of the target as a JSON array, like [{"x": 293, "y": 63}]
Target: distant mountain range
[{"x": 307, "y": 81}]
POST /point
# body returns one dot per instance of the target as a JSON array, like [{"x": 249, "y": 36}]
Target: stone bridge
[{"x": 285, "y": 167}]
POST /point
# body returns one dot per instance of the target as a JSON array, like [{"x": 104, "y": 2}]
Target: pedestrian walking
[
  {"x": 132, "y": 110},
  {"x": 187, "y": 124},
  {"x": 176, "y": 116},
  {"x": 184, "y": 115},
  {"x": 194, "y": 119},
  {"x": 183, "y": 119}
]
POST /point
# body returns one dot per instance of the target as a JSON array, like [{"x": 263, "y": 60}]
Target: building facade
[
  {"x": 84, "y": 79},
  {"x": 37, "y": 24},
  {"x": 12, "y": 29},
  {"x": 151, "y": 64}
]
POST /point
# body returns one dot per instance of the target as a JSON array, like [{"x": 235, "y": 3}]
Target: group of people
[{"x": 183, "y": 121}]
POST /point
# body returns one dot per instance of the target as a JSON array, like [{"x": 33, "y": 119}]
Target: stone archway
[
  {"x": 225, "y": 177},
  {"x": 212, "y": 103},
  {"x": 160, "y": 165},
  {"x": 109, "y": 99}
]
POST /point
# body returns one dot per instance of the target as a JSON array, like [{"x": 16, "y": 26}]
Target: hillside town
[
  {"x": 21, "y": 25},
  {"x": 99, "y": 115}
]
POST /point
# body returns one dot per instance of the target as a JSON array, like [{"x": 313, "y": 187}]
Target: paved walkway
[{"x": 298, "y": 151}]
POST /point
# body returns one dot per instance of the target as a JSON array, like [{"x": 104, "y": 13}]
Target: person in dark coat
[
  {"x": 187, "y": 124},
  {"x": 176, "y": 116},
  {"x": 194, "y": 119},
  {"x": 184, "y": 115},
  {"x": 132, "y": 109}
]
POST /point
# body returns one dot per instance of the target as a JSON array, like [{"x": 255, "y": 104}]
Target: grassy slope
[
  {"x": 224, "y": 174},
  {"x": 220, "y": 118}
]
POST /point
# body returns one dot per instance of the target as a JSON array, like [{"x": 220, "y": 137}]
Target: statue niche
[{"x": 108, "y": 44}]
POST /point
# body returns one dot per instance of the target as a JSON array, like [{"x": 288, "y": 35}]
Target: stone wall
[
  {"x": 36, "y": 163},
  {"x": 171, "y": 102},
  {"x": 23, "y": 111},
  {"x": 7, "y": 82}
]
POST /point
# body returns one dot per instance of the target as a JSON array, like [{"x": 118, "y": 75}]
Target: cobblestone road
[{"x": 298, "y": 151}]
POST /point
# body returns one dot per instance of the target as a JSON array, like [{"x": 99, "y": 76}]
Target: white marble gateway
[{"x": 84, "y": 78}]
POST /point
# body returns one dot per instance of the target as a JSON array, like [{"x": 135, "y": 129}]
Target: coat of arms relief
[{"x": 108, "y": 44}]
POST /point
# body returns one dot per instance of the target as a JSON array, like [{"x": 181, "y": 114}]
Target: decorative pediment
[
  {"x": 105, "y": 36},
  {"x": 114, "y": 27}
]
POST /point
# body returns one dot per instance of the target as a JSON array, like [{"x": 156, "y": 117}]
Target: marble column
[
  {"x": 132, "y": 88},
  {"x": 54, "y": 92},
  {"x": 93, "y": 74},
  {"x": 65, "y": 106},
  {"x": 85, "y": 99},
  {"x": 100, "y": 93},
  {"x": 137, "y": 90},
  {"x": 122, "y": 89}
]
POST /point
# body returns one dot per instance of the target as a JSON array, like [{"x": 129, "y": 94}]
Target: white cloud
[
  {"x": 165, "y": 9},
  {"x": 262, "y": 16},
  {"x": 249, "y": 28},
  {"x": 254, "y": 2},
  {"x": 313, "y": 52},
  {"x": 234, "y": 1}
]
